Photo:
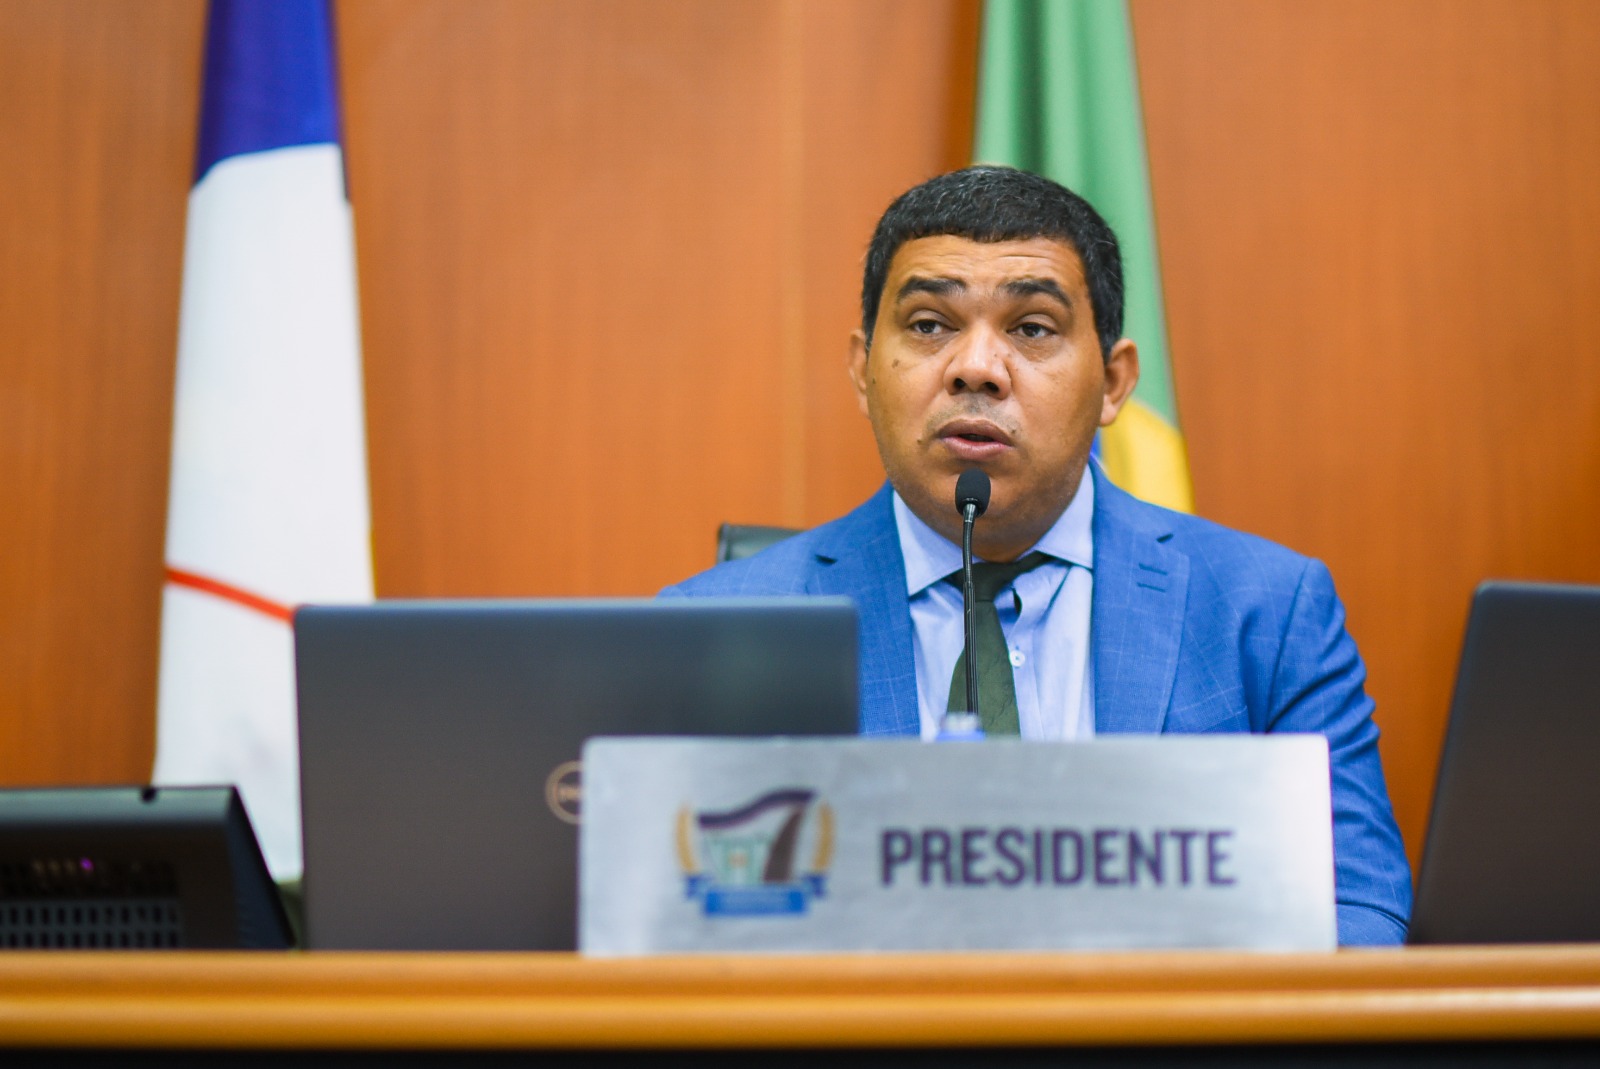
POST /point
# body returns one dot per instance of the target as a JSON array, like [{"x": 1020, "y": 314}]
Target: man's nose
[{"x": 978, "y": 364}]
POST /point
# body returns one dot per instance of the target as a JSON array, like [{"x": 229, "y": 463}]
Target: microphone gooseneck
[{"x": 972, "y": 501}]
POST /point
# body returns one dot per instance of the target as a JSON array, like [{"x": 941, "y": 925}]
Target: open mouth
[
  {"x": 975, "y": 441},
  {"x": 974, "y": 434}
]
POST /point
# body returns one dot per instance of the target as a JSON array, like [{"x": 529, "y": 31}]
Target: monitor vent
[{"x": 80, "y": 902}]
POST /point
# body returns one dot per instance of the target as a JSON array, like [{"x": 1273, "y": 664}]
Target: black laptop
[
  {"x": 439, "y": 744},
  {"x": 1513, "y": 847}
]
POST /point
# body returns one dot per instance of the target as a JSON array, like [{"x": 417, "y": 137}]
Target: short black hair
[{"x": 989, "y": 204}]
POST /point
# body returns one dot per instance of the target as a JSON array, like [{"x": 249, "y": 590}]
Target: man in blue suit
[{"x": 991, "y": 338}]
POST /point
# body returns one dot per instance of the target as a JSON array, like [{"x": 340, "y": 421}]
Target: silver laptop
[
  {"x": 439, "y": 741},
  {"x": 1513, "y": 848}
]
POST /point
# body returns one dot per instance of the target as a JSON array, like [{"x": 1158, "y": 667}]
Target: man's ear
[
  {"x": 857, "y": 367},
  {"x": 1122, "y": 375}
]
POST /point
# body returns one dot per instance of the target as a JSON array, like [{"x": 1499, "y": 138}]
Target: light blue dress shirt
[{"x": 1045, "y": 617}]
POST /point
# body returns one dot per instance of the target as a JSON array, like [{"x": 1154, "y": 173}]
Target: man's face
[{"x": 984, "y": 355}]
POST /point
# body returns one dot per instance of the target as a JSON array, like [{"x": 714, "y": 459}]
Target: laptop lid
[
  {"x": 439, "y": 741},
  {"x": 1510, "y": 854}
]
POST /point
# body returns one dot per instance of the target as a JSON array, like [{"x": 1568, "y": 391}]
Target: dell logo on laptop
[{"x": 563, "y": 791}]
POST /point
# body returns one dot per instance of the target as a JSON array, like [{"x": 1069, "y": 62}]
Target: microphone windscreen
[{"x": 972, "y": 488}]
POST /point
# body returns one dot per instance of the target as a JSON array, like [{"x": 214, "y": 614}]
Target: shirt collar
[{"x": 930, "y": 556}]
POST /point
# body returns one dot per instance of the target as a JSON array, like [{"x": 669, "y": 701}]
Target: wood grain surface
[
  {"x": 98, "y": 106},
  {"x": 1378, "y": 228},
  {"x": 397, "y": 1001},
  {"x": 609, "y": 261}
]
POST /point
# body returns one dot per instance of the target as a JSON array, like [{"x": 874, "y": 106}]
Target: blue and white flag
[{"x": 268, "y": 499}]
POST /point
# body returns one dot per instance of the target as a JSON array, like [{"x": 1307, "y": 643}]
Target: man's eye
[
  {"x": 925, "y": 326},
  {"x": 1032, "y": 330}
]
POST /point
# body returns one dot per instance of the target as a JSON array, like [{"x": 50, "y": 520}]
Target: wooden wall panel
[
  {"x": 97, "y": 116},
  {"x": 608, "y": 256},
  {"x": 1378, "y": 228}
]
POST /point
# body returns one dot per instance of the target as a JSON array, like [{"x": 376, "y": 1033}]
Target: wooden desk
[{"x": 65, "y": 1001}]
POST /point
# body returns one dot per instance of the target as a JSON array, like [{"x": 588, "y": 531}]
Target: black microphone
[
  {"x": 972, "y": 501},
  {"x": 972, "y": 488}
]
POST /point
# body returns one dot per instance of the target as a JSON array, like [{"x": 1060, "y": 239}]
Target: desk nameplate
[{"x": 724, "y": 845}]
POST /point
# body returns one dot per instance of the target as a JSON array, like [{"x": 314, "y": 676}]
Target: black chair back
[{"x": 736, "y": 541}]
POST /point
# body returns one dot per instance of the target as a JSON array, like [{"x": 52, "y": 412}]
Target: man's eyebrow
[
  {"x": 939, "y": 287},
  {"x": 1027, "y": 287}
]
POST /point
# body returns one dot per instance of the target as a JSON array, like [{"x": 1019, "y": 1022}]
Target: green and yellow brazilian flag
[{"x": 1058, "y": 95}]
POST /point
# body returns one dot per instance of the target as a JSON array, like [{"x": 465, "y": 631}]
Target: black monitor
[
  {"x": 134, "y": 868},
  {"x": 1510, "y": 852}
]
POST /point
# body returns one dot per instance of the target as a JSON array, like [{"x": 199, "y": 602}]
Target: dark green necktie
[{"x": 997, "y": 691}]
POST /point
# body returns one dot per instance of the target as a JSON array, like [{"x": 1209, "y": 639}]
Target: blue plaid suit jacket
[{"x": 1194, "y": 628}]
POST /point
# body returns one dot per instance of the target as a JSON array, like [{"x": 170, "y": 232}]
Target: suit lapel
[
  {"x": 1136, "y": 623},
  {"x": 861, "y": 559}
]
